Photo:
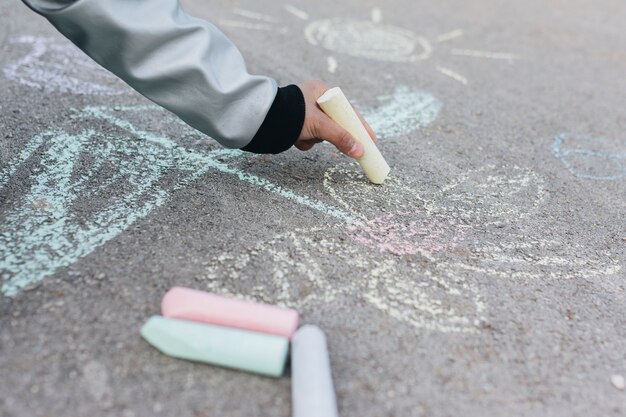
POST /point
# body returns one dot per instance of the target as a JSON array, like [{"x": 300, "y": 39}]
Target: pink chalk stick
[{"x": 187, "y": 304}]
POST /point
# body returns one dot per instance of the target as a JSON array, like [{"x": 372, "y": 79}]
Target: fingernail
[{"x": 356, "y": 151}]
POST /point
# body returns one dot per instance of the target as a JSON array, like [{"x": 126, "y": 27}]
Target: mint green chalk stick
[{"x": 240, "y": 349}]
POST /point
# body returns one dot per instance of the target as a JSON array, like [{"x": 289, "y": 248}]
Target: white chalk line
[
  {"x": 253, "y": 15},
  {"x": 445, "y": 37},
  {"x": 332, "y": 64},
  {"x": 376, "y": 15},
  {"x": 454, "y": 75},
  {"x": 485, "y": 54},
  {"x": 244, "y": 25},
  {"x": 493, "y": 188},
  {"x": 353, "y": 179},
  {"x": 300, "y": 14},
  {"x": 497, "y": 269}
]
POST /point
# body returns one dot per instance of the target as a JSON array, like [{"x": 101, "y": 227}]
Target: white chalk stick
[
  {"x": 335, "y": 104},
  {"x": 312, "y": 391}
]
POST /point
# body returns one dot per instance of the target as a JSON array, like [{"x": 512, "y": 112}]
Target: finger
[
  {"x": 328, "y": 130},
  {"x": 304, "y": 145},
  {"x": 320, "y": 87},
  {"x": 367, "y": 126}
]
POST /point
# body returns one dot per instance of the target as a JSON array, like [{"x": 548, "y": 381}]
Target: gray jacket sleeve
[{"x": 184, "y": 64}]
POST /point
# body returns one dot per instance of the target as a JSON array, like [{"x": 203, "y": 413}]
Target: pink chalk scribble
[{"x": 400, "y": 234}]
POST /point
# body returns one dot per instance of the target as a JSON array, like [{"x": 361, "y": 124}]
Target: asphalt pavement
[{"x": 486, "y": 277}]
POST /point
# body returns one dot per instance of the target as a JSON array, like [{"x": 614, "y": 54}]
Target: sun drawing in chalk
[
  {"x": 370, "y": 39},
  {"x": 48, "y": 62}
]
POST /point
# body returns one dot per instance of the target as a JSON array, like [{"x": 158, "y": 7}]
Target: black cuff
[{"x": 283, "y": 123}]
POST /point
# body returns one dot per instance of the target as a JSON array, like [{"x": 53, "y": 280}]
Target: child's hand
[{"x": 319, "y": 127}]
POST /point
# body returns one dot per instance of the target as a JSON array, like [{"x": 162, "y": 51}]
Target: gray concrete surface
[{"x": 485, "y": 278}]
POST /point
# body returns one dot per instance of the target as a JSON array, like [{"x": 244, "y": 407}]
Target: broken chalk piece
[
  {"x": 335, "y": 104},
  {"x": 312, "y": 391},
  {"x": 187, "y": 304},
  {"x": 233, "y": 348}
]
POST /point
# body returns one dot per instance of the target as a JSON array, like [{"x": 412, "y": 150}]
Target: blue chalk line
[{"x": 563, "y": 154}]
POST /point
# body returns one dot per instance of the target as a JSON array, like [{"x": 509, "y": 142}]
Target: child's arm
[{"x": 191, "y": 68}]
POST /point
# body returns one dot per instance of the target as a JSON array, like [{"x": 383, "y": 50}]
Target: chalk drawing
[
  {"x": 54, "y": 65},
  {"x": 299, "y": 269},
  {"x": 377, "y": 15},
  {"x": 408, "y": 233},
  {"x": 42, "y": 232},
  {"x": 332, "y": 64},
  {"x": 300, "y": 14},
  {"x": 405, "y": 228},
  {"x": 589, "y": 157},
  {"x": 453, "y": 219},
  {"x": 368, "y": 39},
  {"x": 253, "y": 15},
  {"x": 522, "y": 257},
  {"x": 401, "y": 112},
  {"x": 49, "y": 226},
  {"x": 484, "y": 54},
  {"x": 426, "y": 283},
  {"x": 244, "y": 25},
  {"x": 491, "y": 195},
  {"x": 455, "y": 76},
  {"x": 445, "y": 37}
]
